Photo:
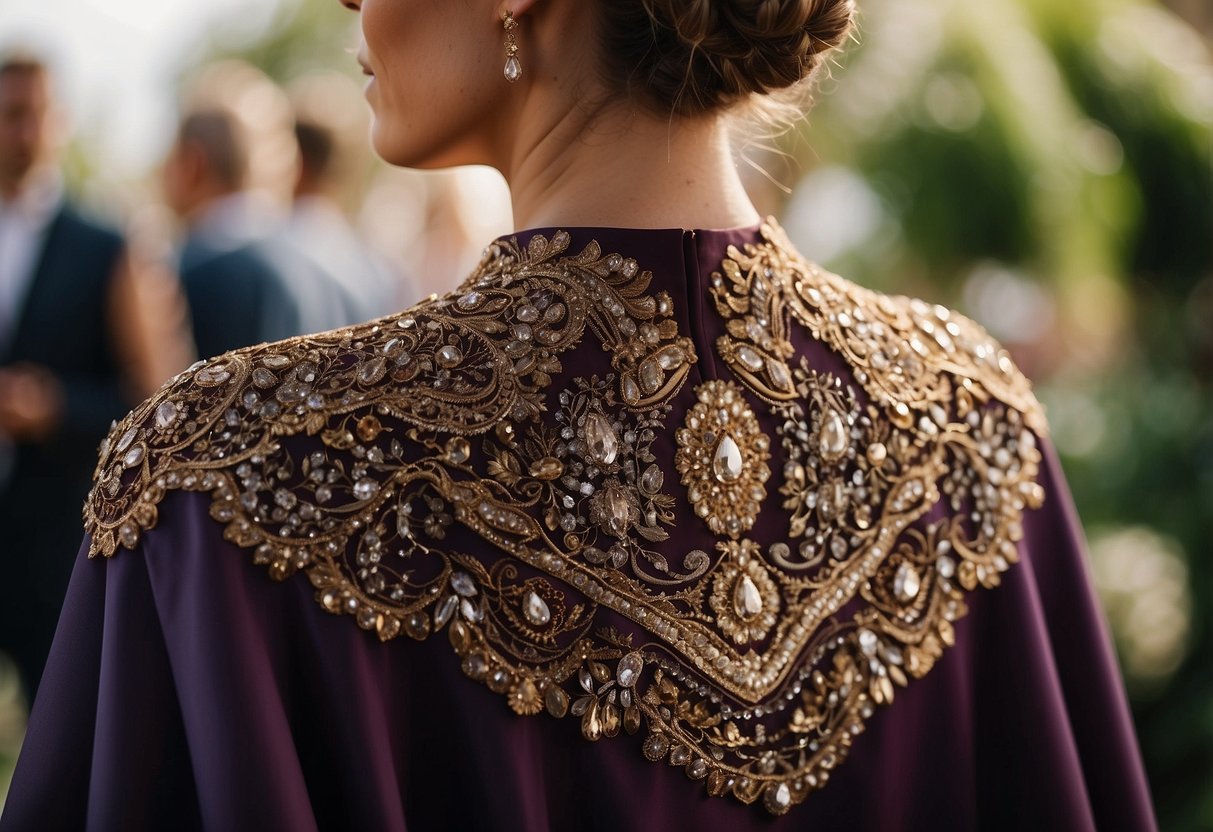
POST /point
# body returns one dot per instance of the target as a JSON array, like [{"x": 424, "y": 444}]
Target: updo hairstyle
[{"x": 692, "y": 57}]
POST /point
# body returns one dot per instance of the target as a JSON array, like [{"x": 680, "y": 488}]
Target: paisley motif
[{"x": 452, "y": 468}]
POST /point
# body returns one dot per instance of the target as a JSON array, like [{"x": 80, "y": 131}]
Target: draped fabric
[{"x": 186, "y": 689}]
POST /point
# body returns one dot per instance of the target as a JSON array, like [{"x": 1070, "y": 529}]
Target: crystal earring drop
[{"x": 513, "y": 69}]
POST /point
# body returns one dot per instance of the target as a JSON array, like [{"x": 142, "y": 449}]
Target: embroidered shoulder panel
[{"x": 379, "y": 459}]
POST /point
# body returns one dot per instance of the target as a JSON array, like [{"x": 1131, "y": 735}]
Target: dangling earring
[{"x": 513, "y": 69}]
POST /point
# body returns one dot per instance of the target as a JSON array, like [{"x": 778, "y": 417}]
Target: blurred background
[{"x": 1046, "y": 167}]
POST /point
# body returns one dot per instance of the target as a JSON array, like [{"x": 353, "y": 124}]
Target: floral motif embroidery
[{"x": 442, "y": 470}]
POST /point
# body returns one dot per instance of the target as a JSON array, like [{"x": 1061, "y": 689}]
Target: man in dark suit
[{"x": 71, "y": 361}]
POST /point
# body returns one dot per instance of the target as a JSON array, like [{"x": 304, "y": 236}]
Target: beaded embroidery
[{"x": 368, "y": 457}]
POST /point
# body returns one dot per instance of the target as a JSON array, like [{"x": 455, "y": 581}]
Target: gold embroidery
[
  {"x": 379, "y": 460},
  {"x": 722, "y": 458},
  {"x": 744, "y": 597},
  {"x": 908, "y": 356}
]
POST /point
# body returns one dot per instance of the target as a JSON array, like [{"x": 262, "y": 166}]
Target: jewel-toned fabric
[{"x": 622, "y": 495}]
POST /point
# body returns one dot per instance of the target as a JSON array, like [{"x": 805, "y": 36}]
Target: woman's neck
[{"x": 628, "y": 169}]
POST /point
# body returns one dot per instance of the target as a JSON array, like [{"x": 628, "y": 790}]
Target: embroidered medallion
[
  {"x": 355, "y": 456},
  {"x": 744, "y": 597},
  {"x": 722, "y": 458}
]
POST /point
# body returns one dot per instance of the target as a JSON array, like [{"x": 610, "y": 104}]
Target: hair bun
[{"x": 698, "y": 55}]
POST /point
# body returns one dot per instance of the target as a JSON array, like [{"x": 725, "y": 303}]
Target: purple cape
[{"x": 186, "y": 689}]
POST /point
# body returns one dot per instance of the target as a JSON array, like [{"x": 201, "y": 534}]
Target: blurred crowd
[{"x": 248, "y": 236}]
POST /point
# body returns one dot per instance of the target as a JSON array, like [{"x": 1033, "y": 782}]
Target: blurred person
[
  {"x": 432, "y": 225},
  {"x": 650, "y": 524},
  {"x": 243, "y": 277},
  {"x": 328, "y": 121},
  {"x": 236, "y": 287},
  {"x": 84, "y": 332}
]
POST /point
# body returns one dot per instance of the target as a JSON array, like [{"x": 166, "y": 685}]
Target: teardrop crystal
[
  {"x": 513, "y": 69},
  {"x": 600, "y": 439},
  {"x": 726, "y": 464},
  {"x": 747, "y": 600},
  {"x": 616, "y": 511},
  {"x": 652, "y": 479},
  {"x": 536, "y": 609},
  {"x": 833, "y": 436}
]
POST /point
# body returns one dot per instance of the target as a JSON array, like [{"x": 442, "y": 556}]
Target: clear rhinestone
[
  {"x": 462, "y": 583},
  {"x": 629, "y": 388},
  {"x": 126, "y": 440},
  {"x": 651, "y": 376},
  {"x": 292, "y": 392},
  {"x": 556, "y": 701},
  {"x": 670, "y": 358},
  {"x": 166, "y": 415},
  {"x": 449, "y": 356},
  {"x": 133, "y": 457},
  {"x": 652, "y": 478},
  {"x": 629, "y": 670},
  {"x": 209, "y": 376},
  {"x": 906, "y": 583},
  {"x": 868, "y": 642},
  {"x": 372, "y": 371},
  {"x": 779, "y": 798},
  {"x": 364, "y": 489},
  {"x": 727, "y": 464},
  {"x": 444, "y": 611},
  {"x": 616, "y": 510},
  {"x": 750, "y": 358},
  {"x": 779, "y": 373}
]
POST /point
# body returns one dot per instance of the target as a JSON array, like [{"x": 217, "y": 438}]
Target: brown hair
[{"x": 691, "y": 57}]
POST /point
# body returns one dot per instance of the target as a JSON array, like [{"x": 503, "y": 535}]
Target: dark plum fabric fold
[{"x": 188, "y": 690}]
